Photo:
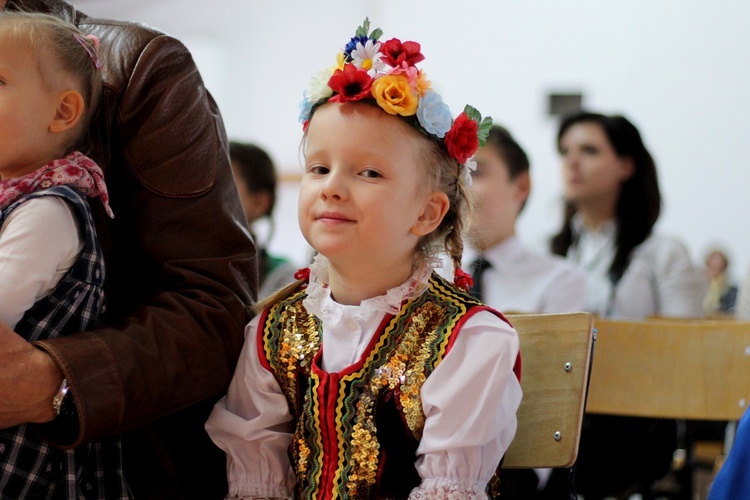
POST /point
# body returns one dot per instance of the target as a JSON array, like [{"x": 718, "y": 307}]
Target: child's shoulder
[{"x": 441, "y": 288}]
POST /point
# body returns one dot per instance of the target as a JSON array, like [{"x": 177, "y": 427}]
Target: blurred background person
[
  {"x": 507, "y": 275},
  {"x": 255, "y": 176},
  {"x": 612, "y": 202},
  {"x": 722, "y": 295},
  {"x": 742, "y": 306}
]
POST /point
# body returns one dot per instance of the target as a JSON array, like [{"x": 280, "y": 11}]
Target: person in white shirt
[
  {"x": 612, "y": 202},
  {"x": 518, "y": 279},
  {"x": 372, "y": 376},
  {"x": 51, "y": 264}
]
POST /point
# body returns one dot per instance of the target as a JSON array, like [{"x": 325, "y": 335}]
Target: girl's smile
[{"x": 334, "y": 218}]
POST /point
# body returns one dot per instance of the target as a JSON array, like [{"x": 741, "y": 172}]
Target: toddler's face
[
  {"x": 27, "y": 106},
  {"x": 362, "y": 197}
]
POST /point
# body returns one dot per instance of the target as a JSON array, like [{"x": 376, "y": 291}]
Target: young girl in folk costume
[
  {"x": 51, "y": 266},
  {"x": 373, "y": 377}
]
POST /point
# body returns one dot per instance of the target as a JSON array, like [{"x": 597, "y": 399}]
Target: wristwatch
[{"x": 62, "y": 403}]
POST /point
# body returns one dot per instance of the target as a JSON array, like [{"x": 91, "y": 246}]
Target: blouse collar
[
  {"x": 320, "y": 303},
  {"x": 608, "y": 229}
]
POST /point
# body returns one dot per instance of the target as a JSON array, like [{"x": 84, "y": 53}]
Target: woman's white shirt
[
  {"x": 660, "y": 279},
  {"x": 470, "y": 401}
]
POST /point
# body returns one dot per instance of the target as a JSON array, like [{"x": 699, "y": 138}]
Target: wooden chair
[
  {"x": 689, "y": 369},
  {"x": 556, "y": 355}
]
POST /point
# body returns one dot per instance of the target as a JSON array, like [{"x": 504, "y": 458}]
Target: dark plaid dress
[{"x": 30, "y": 468}]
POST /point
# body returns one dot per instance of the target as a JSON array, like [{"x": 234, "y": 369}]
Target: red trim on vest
[
  {"x": 327, "y": 395},
  {"x": 259, "y": 340}
]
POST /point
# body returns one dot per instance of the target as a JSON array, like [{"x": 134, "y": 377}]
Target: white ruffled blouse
[{"x": 469, "y": 400}]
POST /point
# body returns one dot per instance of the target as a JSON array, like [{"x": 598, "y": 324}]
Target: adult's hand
[{"x": 29, "y": 379}]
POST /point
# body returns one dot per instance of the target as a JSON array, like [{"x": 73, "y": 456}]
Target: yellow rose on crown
[{"x": 395, "y": 95}]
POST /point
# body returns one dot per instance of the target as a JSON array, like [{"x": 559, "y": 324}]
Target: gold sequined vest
[{"x": 357, "y": 430}]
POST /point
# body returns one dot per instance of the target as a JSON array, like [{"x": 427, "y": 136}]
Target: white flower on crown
[
  {"x": 318, "y": 88},
  {"x": 367, "y": 57},
  {"x": 466, "y": 170}
]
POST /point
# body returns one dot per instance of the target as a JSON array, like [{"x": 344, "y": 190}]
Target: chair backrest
[
  {"x": 679, "y": 369},
  {"x": 556, "y": 356}
]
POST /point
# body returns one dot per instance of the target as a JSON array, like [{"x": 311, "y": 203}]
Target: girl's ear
[
  {"x": 69, "y": 110},
  {"x": 435, "y": 208}
]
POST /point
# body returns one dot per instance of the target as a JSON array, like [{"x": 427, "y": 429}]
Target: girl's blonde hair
[
  {"x": 47, "y": 36},
  {"x": 445, "y": 174},
  {"x": 442, "y": 173}
]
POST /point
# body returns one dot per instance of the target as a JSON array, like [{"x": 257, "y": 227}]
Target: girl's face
[
  {"x": 591, "y": 170},
  {"x": 363, "y": 198},
  {"x": 27, "y": 107},
  {"x": 498, "y": 198}
]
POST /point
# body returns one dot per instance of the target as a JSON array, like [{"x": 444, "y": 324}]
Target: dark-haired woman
[{"x": 612, "y": 202}]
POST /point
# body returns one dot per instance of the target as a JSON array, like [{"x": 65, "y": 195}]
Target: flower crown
[{"x": 386, "y": 72}]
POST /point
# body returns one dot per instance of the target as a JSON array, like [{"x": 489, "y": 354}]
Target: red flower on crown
[
  {"x": 351, "y": 84},
  {"x": 461, "y": 140},
  {"x": 395, "y": 53}
]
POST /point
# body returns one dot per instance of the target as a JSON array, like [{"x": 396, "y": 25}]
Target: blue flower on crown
[
  {"x": 352, "y": 45},
  {"x": 433, "y": 114},
  {"x": 305, "y": 109}
]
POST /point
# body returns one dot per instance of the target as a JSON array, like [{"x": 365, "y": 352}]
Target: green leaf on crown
[
  {"x": 484, "y": 130},
  {"x": 365, "y": 28},
  {"x": 483, "y": 125},
  {"x": 362, "y": 30}
]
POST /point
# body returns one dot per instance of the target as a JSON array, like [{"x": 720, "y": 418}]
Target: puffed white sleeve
[
  {"x": 253, "y": 426},
  {"x": 470, "y": 402}
]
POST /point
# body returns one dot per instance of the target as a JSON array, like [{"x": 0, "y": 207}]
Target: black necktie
[{"x": 478, "y": 267}]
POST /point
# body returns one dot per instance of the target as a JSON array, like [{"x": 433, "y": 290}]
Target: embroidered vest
[{"x": 357, "y": 430}]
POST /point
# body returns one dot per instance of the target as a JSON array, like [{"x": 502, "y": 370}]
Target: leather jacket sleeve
[{"x": 181, "y": 271}]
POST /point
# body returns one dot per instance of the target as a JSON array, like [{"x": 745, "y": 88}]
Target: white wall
[{"x": 677, "y": 69}]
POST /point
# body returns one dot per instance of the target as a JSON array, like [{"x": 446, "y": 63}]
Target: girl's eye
[
  {"x": 318, "y": 169},
  {"x": 372, "y": 174}
]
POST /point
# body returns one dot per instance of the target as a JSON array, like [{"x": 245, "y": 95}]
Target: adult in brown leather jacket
[{"x": 181, "y": 275}]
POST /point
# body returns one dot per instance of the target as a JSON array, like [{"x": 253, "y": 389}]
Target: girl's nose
[{"x": 334, "y": 186}]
